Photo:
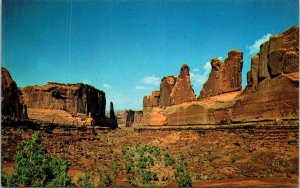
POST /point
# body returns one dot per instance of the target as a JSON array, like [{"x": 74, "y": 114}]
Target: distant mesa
[
  {"x": 73, "y": 104},
  {"x": 271, "y": 93},
  {"x": 67, "y": 104}
]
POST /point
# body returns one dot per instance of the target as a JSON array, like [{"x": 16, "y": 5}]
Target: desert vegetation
[{"x": 154, "y": 158}]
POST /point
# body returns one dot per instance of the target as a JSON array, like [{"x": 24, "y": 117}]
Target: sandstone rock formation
[
  {"x": 111, "y": 111},
  {"x": 224, "y": 77},
  {"x": 152, "y": 100},
  {"x": 183, "y": 91},
  {"x": 172, "y": 90},
  {"x": 272, "y": 89},
  {"x": 133, "y": 117},
  {"x": 166, "y": 87},
  {"x": 272, "y": 92},
  {"x": 10, "y": 104},
  {"x": 64, "y": 103}
]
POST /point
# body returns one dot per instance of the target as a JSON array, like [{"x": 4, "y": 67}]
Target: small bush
[
  {"x": 84, "y": 180},
  {"x": 143, "y": 163},
  {"x": 33, "y": 167},
  {"x": 182, "y": 175},
  {"x": 155, "y": 151},
  {"x": 184, "y": 180},
  {"x": 6, "y": 179},
  {"x": 105, "y": 179},
  {"x": 149, "y": 176},
  {"x": 168, "y": 161},
  {"x": 129, "y": 167}
]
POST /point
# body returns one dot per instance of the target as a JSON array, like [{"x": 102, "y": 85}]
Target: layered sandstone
[
  {"x": 271, "y": 93},
  {"x": 64, "y": 103},
  {"x": 273, "y": 81},
  {"x": 10, "y": 103},
  {"x": 224, "y": 77},
  {"x": 182, "y": 90},
  {"x": 166, "y": 87},
  {"x": 152, "y": 100}
]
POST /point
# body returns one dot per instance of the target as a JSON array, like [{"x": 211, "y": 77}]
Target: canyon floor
[{"x": 264, "y": 154}]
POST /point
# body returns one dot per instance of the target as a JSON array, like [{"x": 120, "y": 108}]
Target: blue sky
[{"x": 125, "y": 47}]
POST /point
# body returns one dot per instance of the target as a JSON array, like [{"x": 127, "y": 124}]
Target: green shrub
[
  {"x": 168, "y": 161},
  {"x": 129, "y": 167},
  {"x": 84, "y": 180},
  {"x": 105, "y": 179},
  {"x": 143, "y": 163},
  {"x": 184, "y": 180},
  {"x": 149, "y": 176},
  {"x": 155, "y": 151},
  {"x": 33, "y": 167},
  {"x": 182, "y": 175},
  {"x": 6, "y": 179}
]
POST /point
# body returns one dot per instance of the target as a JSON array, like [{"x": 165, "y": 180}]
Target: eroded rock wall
[
  {"x": 133, "y": 117},
  {"x": 224, "y": 77},
  {"x": 66, "y": 103},
  {"x": 272, "y": 89},
  {"x": 10, "y": 103},
  {"x": 273, "y": 81}
]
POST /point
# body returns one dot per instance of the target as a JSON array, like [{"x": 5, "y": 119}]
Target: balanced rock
[{"x": 10, "y": 103}]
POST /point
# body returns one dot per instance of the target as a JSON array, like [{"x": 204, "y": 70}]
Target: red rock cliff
[
  {"x": 10, "y": 104},
  {"x": 271, "y": 93},
  {"x": 273, "y": 81},
  {"x": 224, "y": 77},
  {"x": 59, "y": 100}
]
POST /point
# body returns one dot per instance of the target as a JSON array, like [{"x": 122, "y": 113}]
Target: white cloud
[
  {"x": 198, "y": 79},
  {"x": 151, "y": 80},
  {"x": 141, "y": 88},
  {"x": 195, "y": 70},
  {"x": 254, "y": 48},
  {"x": 207, "y": 68},
  {"x": 105, "y": 85}
]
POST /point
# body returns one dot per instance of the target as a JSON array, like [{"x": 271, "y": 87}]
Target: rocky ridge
[{"x": 271, "y": 93}]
